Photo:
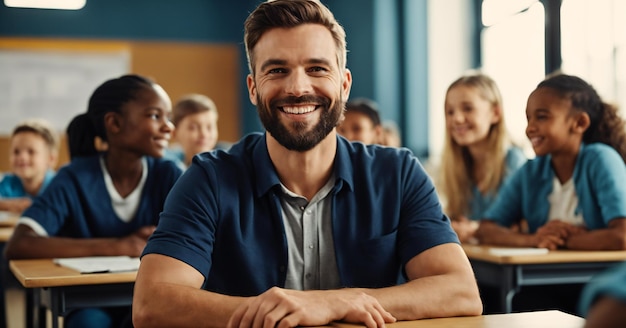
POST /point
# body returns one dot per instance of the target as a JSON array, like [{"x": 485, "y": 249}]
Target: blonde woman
[{"x": 478, "y": 155}]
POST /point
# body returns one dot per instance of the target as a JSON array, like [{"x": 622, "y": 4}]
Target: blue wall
[
  {"x": 196, "y": 20},
  {"x": 377, "y": 31}
]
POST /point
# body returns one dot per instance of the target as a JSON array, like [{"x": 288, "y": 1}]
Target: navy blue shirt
[
  {"x": 77, "y": 204},
  {"x": 223, "y": 217}
]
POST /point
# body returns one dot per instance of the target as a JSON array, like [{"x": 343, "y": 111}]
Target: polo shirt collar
[
  {"x": 265, "y": 173},
  {"x": 343, "y": 163},
  {"x": 546, "y": 165},
  {"x": 266, "y": 177}
]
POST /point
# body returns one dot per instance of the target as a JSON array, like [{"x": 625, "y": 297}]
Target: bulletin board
[
  {"x": 52, "y": 84},
  {"x": 53, "y": 78}
]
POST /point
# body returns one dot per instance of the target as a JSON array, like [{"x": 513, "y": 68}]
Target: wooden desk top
[
  {"x": 480, "y": 252},
  {"x": 5, "y": 233},
  {"x": 8, "y": 219},
  {"x": 539, "y": 319},
  {"x": 44, "y": 273}
]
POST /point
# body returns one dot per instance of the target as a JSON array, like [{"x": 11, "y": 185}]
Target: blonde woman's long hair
[{"x": 456, "y": 177}]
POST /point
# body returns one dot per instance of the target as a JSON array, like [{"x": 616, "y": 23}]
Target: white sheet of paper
[
  {"x": 510, "y": 251},
  {"x": 100, "y": 264}
]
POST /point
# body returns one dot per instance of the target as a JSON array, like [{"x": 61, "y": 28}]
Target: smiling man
[{"x": 298, "y": 226}]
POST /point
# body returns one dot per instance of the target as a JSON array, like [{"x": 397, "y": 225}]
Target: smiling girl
[
  {"x": 573, "y": 194},
  {"x": 104, "y": 203},
  {"x": 478, "y": 156}
]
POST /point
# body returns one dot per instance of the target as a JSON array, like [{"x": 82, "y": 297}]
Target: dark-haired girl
[
  {"x": 104, "y": 203},
  {"x": 573, "y": 194}
]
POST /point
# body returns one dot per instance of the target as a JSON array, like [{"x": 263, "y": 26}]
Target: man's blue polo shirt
[
  {"x": 223, "y": 217},
  {"x": 599, "y": 177}
]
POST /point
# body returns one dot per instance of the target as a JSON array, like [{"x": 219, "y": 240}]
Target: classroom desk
[
  {"x": 539, "y": 319},
  {"x": 5, "y": 234},
  {"x": 60, "y": 289},
  {"x": 510, "y": 272},
  {"x": 8, "y": 219}
]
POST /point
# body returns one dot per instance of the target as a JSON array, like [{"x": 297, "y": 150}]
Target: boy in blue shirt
[{"x": 33, "y": 155}]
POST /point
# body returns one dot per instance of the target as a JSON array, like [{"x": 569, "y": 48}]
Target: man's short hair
[{"x": 288, "y": 14}]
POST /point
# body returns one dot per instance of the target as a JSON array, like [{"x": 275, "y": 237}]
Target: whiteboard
[{"x": 53, "y": 85}]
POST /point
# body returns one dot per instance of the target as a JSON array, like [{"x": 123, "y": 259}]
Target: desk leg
[
  {"x": 508, "y": 289},
  {"x": 35, "y": 314},
  {"x": 54, "y": 307},
  {"x": 30, "y": 309}
]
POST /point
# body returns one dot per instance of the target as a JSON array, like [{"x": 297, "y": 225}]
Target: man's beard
[{"x": 303, "y": 138}]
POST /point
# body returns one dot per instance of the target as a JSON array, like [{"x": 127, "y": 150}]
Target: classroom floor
[
  {"x": 16, "y": 317},
  {"x": 15, "y": 308}
]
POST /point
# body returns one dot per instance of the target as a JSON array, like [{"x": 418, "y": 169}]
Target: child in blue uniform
[
  {"x": 573, "y": 193},
  {"x": 478, "y": 156},
  {"x": 33, "y": 155},
  {"x": 105, "y": 203}
]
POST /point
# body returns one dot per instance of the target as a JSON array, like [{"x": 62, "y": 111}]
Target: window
[
  {"x": 593, "y": 45},
  {"x": 513, "y": 55}
]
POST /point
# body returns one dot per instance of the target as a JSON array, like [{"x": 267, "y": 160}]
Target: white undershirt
[
  {"x": 125, "y": 208},
  {"x": 563, "y": 203}
]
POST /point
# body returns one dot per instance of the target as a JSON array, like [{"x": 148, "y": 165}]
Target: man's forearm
[
  {"x": 441, "y": 284},
  {"x": 170, "y": 305},
  {"x": 446, "y": 295}
]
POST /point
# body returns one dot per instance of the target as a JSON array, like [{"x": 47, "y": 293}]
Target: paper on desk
[
  {"x": 510, "y": 251},
  {"x": 5, "y": 216},
  {"x": 100, "y": 264},
  {"x": 8, "y": 219}
]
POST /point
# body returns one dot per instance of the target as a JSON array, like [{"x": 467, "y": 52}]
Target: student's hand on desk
[
  {"x": 283, "y": 308},
  {"x": 464, "y": 228},
  {"x": 550, "y": 237},
  {"x": 560, "y": 228},
  {"x": 550, "y": 242},
  {"x": 557, "y": 231},
  {"x": 133, "y": 244}
]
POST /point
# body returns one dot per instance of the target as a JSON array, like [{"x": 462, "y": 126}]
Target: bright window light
[
  {"x": 47, "y": 4},
  {"x": 495, "y": 11}
]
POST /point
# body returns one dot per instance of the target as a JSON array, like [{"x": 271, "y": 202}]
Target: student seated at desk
[
  {"x": 572, "y": 195},
  {"x": 298, "y": 226},
  {"x": 478, "y": 156},
  {"x": 108, "y": 203},
  {"x": 33, "y": 155}
]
